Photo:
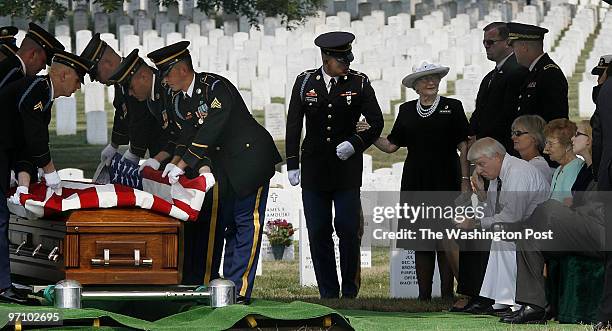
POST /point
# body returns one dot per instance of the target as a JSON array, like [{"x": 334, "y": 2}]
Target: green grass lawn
[{"x": 280, "y": 281}]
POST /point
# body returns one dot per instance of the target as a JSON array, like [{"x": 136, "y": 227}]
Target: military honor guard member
[
  {"x": 143, "y": 83},
  {"x": 8, "y": 43},
  {"x": 544, "y": 90},
  {"x": 133, "y": 123},
  {"x": 226, "y": 142},
  {"x": 332, "y": 98},
  {"x": 24, "y": 138},
  {"x": 35, "y": 52}
]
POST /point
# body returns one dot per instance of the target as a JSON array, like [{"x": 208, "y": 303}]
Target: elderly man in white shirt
[{"x": 516, "y": 188}]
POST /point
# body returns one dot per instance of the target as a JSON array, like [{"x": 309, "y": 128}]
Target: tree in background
[{"x": 291, "y": 12}]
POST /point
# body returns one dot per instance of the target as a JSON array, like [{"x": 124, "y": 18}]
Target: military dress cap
[
  {"x": 7, "y": 35},
  {"x": 46, "y": 40},
  {"x": 166, "y": 57},
  {"x": 127, "y": 69},
  {"x": 520, "y": 31},
  {"x": 337, "y": 44},
  {"x": 80, "y": 64},
  {"x": 602, "y": 65},
  {"x": 93, "y": 52}
]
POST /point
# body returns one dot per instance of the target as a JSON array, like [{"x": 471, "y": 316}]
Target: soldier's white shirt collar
[
  {"x": 51, "y": 88},
  {"x": 189, "y": 92},
  {"x": 501, "y": 63},
  {"x": 327, "y": 78},
  {"x": 153, "y": 88},
  {"x": 535, "y": 61},
  {"x": 22, "y": 64}
]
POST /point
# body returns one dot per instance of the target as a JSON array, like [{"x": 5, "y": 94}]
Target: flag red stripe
[{"x": 193, "y": 214}]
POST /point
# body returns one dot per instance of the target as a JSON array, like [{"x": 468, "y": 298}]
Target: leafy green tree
[{"x": 291, "y": 12}]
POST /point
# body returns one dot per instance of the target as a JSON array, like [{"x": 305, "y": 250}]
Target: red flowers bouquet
[{"x": 279, "y": 232}]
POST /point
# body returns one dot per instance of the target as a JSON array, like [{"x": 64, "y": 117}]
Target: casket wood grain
[{"x": 102, "y": 246}]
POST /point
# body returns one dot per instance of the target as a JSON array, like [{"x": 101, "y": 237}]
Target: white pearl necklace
[{"x": 427, "y": 112}]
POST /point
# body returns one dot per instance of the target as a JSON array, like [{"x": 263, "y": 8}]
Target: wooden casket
[{"x": 102, "y": 246}]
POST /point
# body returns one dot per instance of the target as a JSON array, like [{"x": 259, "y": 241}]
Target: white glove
[
  {"x": 167, "y": 169},
  {"x": 53, "y": 180},
  {"x": 294, "y": 176},
  {"x": 14, "y": 199},
  {"x": 150, "y": 162},
  {"x": 210, "y": 180},
  {"x": 130, "y": 156},
  {"x": 173, "y": 175},
  {"x": 107, "y": 154},
  {"x": 344, "y": 150}
]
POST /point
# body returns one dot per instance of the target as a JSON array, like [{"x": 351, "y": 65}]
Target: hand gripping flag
[{"x": 182, "y": 200}]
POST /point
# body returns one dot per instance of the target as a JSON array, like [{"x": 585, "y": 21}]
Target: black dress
[{"x": 432, "y": 163}]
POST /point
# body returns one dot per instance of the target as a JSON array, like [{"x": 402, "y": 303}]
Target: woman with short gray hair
[{"x": 527, "y": 134}]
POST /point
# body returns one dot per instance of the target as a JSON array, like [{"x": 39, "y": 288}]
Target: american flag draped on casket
[{"x": 127, "y": 188}]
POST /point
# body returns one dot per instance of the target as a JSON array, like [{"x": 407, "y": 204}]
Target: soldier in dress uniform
[
  {"x": 223, "y": 140},
  {"x": 33, "y": 55},
  {"x": 544, "y": 91},
  {"x": 24, "y": 139},
  {"x": 133, "y": 123},
  {"x": 7, "y": 38},
  {"x": 332, "y": 98},
  {"x": 145, "y": 83},
  {"x": 139, "y": 81}
]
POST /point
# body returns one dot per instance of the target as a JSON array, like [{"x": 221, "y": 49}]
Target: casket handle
[
  {"x": 52, "y": 256},
  {"x": 19, "y": 247},
  {"x": 136, "y": 262},
  {"x": 36, "y": 250}
]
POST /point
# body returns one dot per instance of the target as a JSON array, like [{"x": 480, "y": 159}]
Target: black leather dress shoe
[
  {"x": 242, "y": 300},
  {"x": 13, "y": 295},
  {"x": 455, "y": 309},
  {"x": 503, "y": 312},
  {"x": 480, "y": 308},
  {"x": 527, "y": 315},
  {"x": 607, "y": 325}
]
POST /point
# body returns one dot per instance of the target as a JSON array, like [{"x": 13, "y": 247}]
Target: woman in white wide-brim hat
[{"x": 432, "y": 128}]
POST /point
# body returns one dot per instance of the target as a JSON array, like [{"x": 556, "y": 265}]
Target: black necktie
[
  {"x": 499, "y": 186},
  {"x": 332, "y": 83},
  {"x": 493, "y": 74}
]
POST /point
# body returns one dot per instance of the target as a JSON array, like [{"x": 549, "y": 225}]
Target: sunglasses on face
[
  {"x": 490, "y": 42},
  {"x": 578, "y": 134},
  {"x": 518, "y": 133}
]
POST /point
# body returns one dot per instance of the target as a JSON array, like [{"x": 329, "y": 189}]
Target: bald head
[{"x": 64, "y": 78}]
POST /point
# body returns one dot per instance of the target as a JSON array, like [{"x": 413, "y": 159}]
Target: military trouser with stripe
[{"x": 244, "y": 218}]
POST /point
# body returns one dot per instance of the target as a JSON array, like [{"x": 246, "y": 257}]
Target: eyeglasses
[
  {"x": 550, "y": 143},
  {"x": 490, "y": 42},
  {"x": 518, "y": 133},
  {"x": 578, "y": 134}
]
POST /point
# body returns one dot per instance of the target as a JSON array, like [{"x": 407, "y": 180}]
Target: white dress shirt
[{"x": 523, "y": 189}]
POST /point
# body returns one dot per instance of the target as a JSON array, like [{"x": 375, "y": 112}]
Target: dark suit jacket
[
  {"x": 544, "y": 91},
  {"x": 603, "y": 141},
  {"x": 330, "y": 120},
  {"x": 496, "y": 102}
]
